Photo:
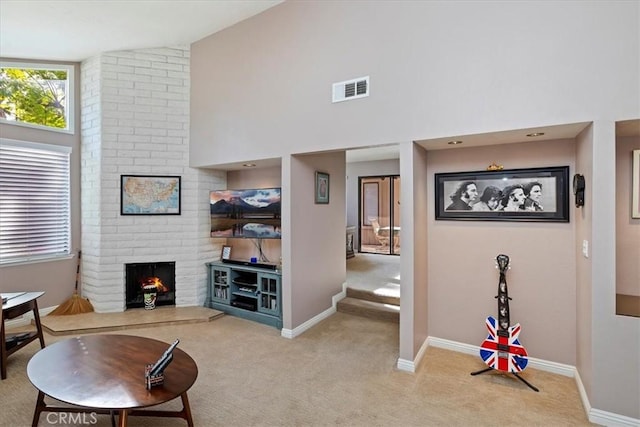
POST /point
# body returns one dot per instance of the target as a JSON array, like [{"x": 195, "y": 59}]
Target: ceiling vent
[{"x": 351, "y": 89}]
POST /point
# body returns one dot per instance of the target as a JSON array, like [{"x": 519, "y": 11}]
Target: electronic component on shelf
[
  {"x": 154, "y": 374},
  {"x": 268, "y": 266}
]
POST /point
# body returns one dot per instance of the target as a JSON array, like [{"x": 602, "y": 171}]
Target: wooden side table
[
  {"x": 104, "y": 374},
  {"x": 17, "y": 305}
]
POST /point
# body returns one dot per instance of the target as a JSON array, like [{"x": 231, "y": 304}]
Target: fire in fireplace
[{"x": 161, "y": 275}]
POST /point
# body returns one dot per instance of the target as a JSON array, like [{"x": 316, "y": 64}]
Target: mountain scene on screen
[{"x": 246, "y": 213}]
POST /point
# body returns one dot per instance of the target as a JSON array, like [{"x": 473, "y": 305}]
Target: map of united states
[{"x": 150, "y": 195}]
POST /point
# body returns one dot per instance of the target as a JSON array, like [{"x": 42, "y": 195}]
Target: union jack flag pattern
[{"x": 502, "y": 350}]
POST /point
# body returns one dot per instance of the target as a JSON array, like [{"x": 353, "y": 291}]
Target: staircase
[{"x": 382, "y": 304}]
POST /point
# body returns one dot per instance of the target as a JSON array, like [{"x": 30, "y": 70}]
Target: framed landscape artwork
[
  {"x": 537, "y": 194},
  {"x": 635, "y": 185},
  {"x": 149, "y": 195}
]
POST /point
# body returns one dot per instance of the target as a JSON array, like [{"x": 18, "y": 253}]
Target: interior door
[{"x": 379, "y": 214}]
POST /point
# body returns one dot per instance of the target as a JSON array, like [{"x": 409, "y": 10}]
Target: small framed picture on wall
[{"x": 322, "y": 188}]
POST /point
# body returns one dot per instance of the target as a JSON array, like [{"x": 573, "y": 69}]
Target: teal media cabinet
[{"x": 245, "y": 291}]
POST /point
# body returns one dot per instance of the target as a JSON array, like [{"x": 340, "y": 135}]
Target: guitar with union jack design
[{"x": 501, "y": 350}]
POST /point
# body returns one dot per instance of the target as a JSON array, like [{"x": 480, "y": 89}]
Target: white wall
[{"x": 135, "y": 121}]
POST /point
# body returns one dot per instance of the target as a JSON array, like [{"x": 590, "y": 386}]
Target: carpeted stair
[{"x": 382, "y": 304}]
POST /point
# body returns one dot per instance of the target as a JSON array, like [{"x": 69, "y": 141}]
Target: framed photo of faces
[{"x": 537, "y": 194}]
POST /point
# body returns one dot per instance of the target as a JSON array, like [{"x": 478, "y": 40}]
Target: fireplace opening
[{"x": 160, "y": 275}]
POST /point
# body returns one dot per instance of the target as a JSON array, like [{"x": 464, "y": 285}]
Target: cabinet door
[
  {"x": 220, "y": 284},
  {"x": 269, "y": 286}
]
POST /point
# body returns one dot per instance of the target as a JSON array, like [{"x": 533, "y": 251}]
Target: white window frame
[
  {"x": 58, "y": 239},
  {"x": 69, "y": 94}
]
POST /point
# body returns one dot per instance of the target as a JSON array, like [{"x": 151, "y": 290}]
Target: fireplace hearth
[{"x": 161, "y": 275}]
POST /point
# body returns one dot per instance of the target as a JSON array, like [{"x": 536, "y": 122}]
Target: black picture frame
[
  {"x": 150, "y": 195},
  {"x": 552, "y": 204},
  {"x": 322, "y": 188}
]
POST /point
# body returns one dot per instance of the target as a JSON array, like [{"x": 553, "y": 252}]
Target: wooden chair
[{"x": 380, "y": 237}]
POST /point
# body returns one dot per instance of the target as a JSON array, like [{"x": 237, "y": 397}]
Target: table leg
[
  {"x": 36, "y": 316},
  {"x": 122, "y": 419},
  {"x": 39, "y": 407},
  {"x": 3, "y": 351},
  {"x": 186, "y": 409}
]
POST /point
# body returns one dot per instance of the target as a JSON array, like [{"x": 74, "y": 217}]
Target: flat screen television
[{"x": 251, "y": 214}]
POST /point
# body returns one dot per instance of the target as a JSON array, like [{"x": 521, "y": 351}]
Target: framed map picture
[{"x": 149, "y": 195}]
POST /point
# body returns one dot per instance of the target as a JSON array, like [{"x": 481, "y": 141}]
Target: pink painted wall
[{"x": 462, "y": 275}]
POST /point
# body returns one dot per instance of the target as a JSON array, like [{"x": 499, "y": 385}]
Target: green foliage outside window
[{"x": 33, "y": 96}]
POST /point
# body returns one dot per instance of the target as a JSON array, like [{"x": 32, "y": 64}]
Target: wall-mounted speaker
[{"x": 578, "y": 189}]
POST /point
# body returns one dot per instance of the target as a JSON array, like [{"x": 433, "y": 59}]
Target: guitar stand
[{"x": 482, "y": 371}]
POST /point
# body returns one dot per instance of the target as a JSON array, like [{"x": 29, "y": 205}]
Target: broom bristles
[{"x": 74, "y": 305}]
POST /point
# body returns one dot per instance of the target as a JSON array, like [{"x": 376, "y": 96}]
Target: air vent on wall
[{"x": 351, "y": 89}]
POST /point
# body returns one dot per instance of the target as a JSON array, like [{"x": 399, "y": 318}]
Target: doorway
[{"x": 379, "y": 214}]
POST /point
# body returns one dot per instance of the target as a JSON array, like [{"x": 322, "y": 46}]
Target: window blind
[{"x": 35, "y": 205}]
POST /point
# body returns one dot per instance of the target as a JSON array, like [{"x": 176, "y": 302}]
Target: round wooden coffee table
[{"x": 105, "y": 374}]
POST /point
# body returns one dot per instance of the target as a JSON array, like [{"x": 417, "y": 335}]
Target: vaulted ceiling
[{"x": 71, "y": 30}]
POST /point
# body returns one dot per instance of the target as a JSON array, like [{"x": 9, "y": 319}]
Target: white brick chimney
[{"x": 135, "y": 121}]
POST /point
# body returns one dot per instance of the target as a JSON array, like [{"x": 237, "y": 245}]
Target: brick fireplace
[
  {"x": 159, "y": 275},
  {"x": 135, "y": 120}
]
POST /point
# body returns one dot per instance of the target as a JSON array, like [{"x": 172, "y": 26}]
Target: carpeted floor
[
  {"x": 372, "y": 272},
  {"x": 342, "y": 372}
]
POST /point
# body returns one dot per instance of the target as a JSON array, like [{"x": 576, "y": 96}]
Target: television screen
[{"x": 253, "y": 214}]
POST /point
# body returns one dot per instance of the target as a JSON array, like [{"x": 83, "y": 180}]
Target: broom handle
[{"x": 78, "y": 270}]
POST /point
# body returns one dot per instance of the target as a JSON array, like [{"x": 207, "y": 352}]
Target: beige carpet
[
  {"x": 339, "y": 373},
  {"x": 374, "y": 273}
]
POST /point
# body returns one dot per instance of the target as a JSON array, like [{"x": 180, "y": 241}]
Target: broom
[{"x": 76, "y": 304}]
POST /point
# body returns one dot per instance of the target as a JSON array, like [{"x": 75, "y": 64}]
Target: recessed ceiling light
[
  {"x": 456, "y": 142},
  {"x": 530, "y": 135},
  {"x": 249, "y": 165}
]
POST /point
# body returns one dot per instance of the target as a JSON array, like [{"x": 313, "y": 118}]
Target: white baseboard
[
  {"x": 596, "y": 416},
  {"x": 410, "y": 365},
  {"x": 543, "y": 365},
  {"x": 292, "y": 333},
  {"x": 610, "y": 419}
]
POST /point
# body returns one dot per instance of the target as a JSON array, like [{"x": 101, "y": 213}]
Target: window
[
  {"x": 37, "y": 95},
  {"x": 35, "y": 205}
]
